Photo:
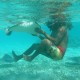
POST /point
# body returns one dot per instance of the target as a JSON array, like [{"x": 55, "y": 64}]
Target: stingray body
[
  {"x": 7, "y": 58},
  {"x": 24, "y": 26}
]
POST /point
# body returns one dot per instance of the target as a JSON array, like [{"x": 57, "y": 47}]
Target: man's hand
[{"x": 40, "y": 31}]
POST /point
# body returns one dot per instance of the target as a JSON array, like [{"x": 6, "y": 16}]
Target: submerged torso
[{"x": 64, "y": 40}]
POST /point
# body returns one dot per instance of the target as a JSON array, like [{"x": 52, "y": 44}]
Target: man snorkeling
[{"x": 52, "y": 46}]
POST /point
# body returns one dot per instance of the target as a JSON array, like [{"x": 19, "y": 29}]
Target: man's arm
[
  {"x": 49, "y": 37},
  {"x": 38, "y": 35},
  {"x": 40, "y": 31},
  {"x": 58, "y": 38}
]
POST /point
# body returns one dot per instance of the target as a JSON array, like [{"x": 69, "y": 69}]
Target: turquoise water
[{"x": 41, "y": 68}]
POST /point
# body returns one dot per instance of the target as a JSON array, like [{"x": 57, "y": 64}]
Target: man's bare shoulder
[{"x": 62, "y": 29}]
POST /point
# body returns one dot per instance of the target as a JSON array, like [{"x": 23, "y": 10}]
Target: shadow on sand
[{"x": 73, "y": 62}]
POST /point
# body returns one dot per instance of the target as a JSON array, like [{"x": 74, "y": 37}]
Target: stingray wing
[{"x": 28, "y": 27}]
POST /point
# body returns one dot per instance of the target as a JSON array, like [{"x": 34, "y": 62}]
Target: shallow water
[{"x": 41, "y": 68}]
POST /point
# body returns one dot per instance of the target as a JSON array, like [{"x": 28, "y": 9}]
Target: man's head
[
  {"x": 55, "y": 25},
  {"x": 58, "y": 21}
]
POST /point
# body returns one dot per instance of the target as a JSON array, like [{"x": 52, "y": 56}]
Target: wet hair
[
  {"x": 54, "y": 25},
  {"x": 58, "y": 20},
  {"x": 57, "y": 24}
]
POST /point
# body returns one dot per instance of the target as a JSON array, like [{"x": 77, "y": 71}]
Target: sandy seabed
[{"x": 41, "y": 68}]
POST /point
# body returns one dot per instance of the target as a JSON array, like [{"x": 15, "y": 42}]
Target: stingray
[
  {"x": 24, "y": 26},
  {"x": 75, "y": 59},
  {"x": 7, "y": 58}
]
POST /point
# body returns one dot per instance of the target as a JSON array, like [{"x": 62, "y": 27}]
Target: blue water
[{"x": 41, "y": 68}]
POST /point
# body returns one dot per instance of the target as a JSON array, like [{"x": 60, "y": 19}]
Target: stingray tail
[{"x": 7, "y": 31}]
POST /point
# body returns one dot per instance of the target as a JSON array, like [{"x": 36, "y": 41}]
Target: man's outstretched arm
[
  {"x": 40, "y": 31},
  {"x": 39, "y": 36}
]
